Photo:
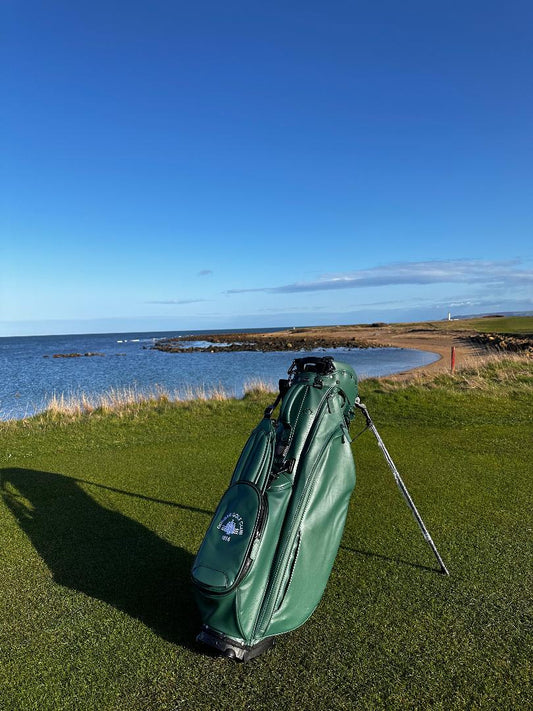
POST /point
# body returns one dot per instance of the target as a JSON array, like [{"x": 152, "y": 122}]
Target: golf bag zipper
[{"x": 269, "y": 604}]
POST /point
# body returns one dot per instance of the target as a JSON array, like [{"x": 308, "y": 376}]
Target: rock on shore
[
  {"x": 74, "y": 355},
  {"x": 257, "y": 342}
]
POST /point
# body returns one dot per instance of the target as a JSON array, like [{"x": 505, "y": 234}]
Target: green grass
[
  {"x": 101, "y": 515},
  {"x": 516, "y": 325}
]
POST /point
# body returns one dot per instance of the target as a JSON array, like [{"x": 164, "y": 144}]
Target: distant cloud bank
[{"x": 495, "y": 273}]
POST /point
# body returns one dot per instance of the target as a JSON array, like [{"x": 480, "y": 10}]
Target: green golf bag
[{"x": 267, "y": 555}]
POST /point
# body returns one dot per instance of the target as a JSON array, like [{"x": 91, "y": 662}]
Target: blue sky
[{"x": 172, "y": 165}]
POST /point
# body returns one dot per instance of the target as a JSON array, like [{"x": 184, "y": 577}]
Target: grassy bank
[
  {"x": 516, "y": 325},
  {"x": 101, "y": 514}
]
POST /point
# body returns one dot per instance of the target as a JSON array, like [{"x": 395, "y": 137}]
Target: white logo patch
[{"x": 231, "y": 525}]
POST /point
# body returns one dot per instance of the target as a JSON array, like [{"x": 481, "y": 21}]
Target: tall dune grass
[
  {"x": 132, "y": 398},
  {"x": 129, "y": 398},
  {"x": 498, "y": 370},
  {"x": 258, "y": 386}
]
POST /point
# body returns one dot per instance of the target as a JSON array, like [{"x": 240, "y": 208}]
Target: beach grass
[
  {"x": 487, "y": 372},
  {"x": 102, "y": 511},
  {"x": 129, "y": 400}
]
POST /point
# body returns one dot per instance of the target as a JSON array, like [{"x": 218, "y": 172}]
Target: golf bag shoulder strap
[{"x": 283, "y": 387}]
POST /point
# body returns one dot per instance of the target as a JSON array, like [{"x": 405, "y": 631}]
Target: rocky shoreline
[
  {"x": 295, "y": 340},
  {"x": 503, "y": 342},
  {"x": 425, "y": 336}
]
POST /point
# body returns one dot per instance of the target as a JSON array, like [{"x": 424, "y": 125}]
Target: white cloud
[
  {"x": 468, "y": 271},
  {"x": 176, "y": 301}
]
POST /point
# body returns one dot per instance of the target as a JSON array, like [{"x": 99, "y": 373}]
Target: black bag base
[{"x": 230, "y": 648}]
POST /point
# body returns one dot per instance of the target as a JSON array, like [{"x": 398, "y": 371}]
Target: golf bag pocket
[
  {"x": 256, "y": 459},
  {"x": 226, "y": 553},
  {"x": 249, "y": 594}
]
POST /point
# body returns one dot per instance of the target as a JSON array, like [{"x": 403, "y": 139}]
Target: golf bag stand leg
[{"x": 371, "y": 426}]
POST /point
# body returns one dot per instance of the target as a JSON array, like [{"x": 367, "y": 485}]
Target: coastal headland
[{"x": 469, "y": 337}]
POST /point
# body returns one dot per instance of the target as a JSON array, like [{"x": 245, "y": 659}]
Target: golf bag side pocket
[
  {"x": 225, "y": 555},
  {"x": 250, "y": 592}
]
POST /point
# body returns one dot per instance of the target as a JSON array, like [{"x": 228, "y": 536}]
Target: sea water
[{"x": 30, "y": 375}]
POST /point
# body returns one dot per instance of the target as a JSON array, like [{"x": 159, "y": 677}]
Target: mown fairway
[
  {"x": 516, "y": 325},
  {"x": 519, "y": 325},
  {"x": 100, "y": 518}
]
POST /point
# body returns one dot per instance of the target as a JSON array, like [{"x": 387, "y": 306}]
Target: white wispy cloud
[
  {"x": 504, "y": 273},
  {"x": 176, "y": 301},
  {"x": 290, "y": 309}
]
